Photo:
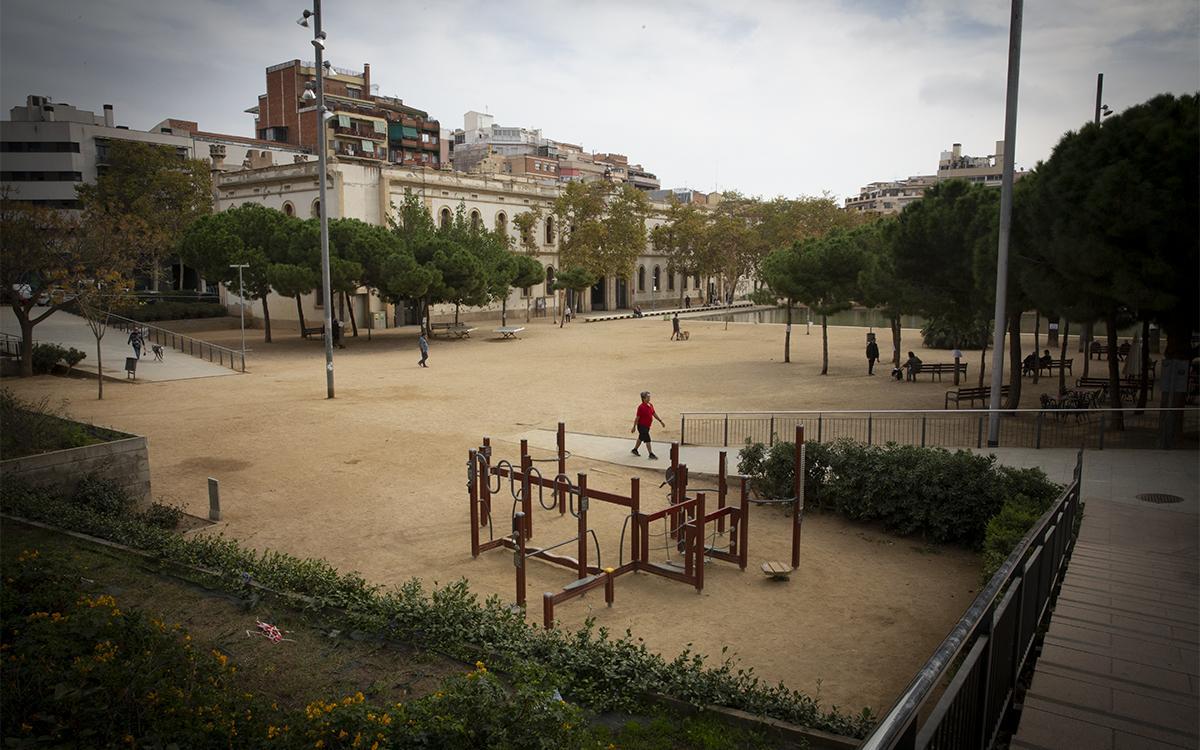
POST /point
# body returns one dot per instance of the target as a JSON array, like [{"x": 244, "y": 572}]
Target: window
[
  {"x": 670, "y": 280},
  {"x": 656, "y": 283},
  {"x": 526, "y": 291},
  {"x": 445, "y": 218},
  {"x": 354, "y": 93},
  {"x": 476, "y": 220},
  {"x": 316, "y": 209},
  {"x": 549, "y": 230},
  {"x": 641, "y": 278},
  {"x": 41, "y": 147},
  {"x": 502, "y": 223},
  {"x": 277, "y": 134},
  {"x": 289, "y": 209},
  {"x": 549, "y": 277},
  {"x": 696, "y": 281}
]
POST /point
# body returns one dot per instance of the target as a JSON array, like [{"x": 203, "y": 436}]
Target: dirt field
[{"x": 375, "y": 479}]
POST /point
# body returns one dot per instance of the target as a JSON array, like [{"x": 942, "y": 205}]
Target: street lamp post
[
  {"x": 318, "y": 43},
  {"x": 242, "y": 306}
]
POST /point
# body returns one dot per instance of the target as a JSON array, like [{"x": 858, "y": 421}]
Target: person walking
[
  {"x": 641, "y": 423},
  {"x": 675, "y": 327},
  {"x": 424, "y": 344},
  {"x": 136, "y": 341},
  {"x": 872, "y": 354}
]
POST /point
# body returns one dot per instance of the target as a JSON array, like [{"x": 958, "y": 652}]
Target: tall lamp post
[
  {"x": 242, "y": 306},
  {"x": 318, "y": 43}
]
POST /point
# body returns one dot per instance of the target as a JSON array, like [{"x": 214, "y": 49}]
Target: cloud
[{"x": 769, "y": 97}]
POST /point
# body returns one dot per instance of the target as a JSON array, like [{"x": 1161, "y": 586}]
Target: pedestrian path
[
  {"x": 69, "y": 330},
  {"x": 1119, "y": 667}
]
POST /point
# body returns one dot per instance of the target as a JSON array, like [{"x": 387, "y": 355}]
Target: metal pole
[
  {"x": 242, "y": 306},
  {"x": 1006, "y": 200},
  {"x": 322, "y": 148}
]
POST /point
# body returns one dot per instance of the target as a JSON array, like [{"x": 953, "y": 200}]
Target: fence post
[
  {"x": 1037, "y": 438},
  {"x": 726, "y": 430},
  {"x": 820, "y": 424},
  {"x": 979, "y": 434},
  {"x": 682, "y": 424},
  {"x": 771, "y": 437},
  {"x": 923, "y": 418},
  {"x": 214, "y": 500},
  {"x": 1102, "y": 416},
  {"x": 869, "y": 426}
]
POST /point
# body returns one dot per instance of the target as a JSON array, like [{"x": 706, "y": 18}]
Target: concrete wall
[{"x": 125, "y": 460}]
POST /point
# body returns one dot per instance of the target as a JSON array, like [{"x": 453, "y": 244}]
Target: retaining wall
[{"x": 125, "y": 460}]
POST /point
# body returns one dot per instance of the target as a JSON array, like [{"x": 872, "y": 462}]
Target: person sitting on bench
[
  {"x": 1029, "y": 365},
  {"x": 1045, "y": 360},
  {"x": 912, "y": 366}
]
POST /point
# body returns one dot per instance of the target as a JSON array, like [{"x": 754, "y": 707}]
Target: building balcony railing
[
  {"x": 356, "y": 153},
  {"x": 355, "y": 131}
]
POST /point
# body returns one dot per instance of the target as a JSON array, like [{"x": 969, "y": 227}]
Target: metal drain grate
[{"x": 1159, "y": 497}]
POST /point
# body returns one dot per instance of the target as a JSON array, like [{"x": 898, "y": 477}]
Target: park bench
[
  {"x": 971, "y": 395},
  {"x": 1056, "y": 364},
  {"x": 938, "y": 368},
  {"x": 509, "y": 332},
  {"x": 311, "y": 331},
  {"x": 451, "y": 329},
  {"x": 1129, "y": 386}
]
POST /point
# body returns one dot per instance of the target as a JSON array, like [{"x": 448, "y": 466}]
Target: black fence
[
  {"x": 990, "y": 647},
  {"x": 222, "y": 355},
  {"x": 968, "y": 428}
]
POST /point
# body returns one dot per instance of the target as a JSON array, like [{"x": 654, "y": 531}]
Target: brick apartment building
[{"x": 364, "y": 126}]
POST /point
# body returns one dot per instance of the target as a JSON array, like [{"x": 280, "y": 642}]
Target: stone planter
[{"x": 125, "y": 460}]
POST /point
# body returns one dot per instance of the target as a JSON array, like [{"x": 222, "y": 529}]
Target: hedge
[{"x": 593, "y": 668}]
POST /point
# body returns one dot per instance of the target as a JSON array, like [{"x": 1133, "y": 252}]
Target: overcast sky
[{"x": 787, "y": 98}]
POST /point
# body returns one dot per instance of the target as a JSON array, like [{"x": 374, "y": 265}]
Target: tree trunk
[
  {"x": 1037, "y": 325},
  {"x": 1114, "y": 372},
  {"x": 787, "y": 336},
  {"x": 1014, "y": 360},
  {"x": 824, "y": 344},
  {"x": 266, "y": 321},
  {"x": 1062, "y": 372},
  {"x": 342, "y": 306},
  {"x": 1144, "y": 385},
  {"x": 527, "y": 301},
  {"x": 353, "y": 322},
  {"x": 895, "y": 341},
  {"x": 957, "y": 351},
  {"x": 1086, "y": 340},
  {"x": 300, "y": 312},
  {"x": 456, "y": 306},
  {"x": 99, "y": 371},
  {"x": 983, "y": 360},
  {"x": 504, "y": 311}
]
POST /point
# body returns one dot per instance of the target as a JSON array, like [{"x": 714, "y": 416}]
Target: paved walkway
[{"x": 69, "y": 330}]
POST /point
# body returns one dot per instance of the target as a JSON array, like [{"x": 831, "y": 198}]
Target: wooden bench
[
  {"x": 938, "y": 368},
  {"x": 1056, "y": 364},
  {"x": 1129, "y": 386},
  {"x": 971, "y": 395},
  {"x": 509, "y": 332},
  {"x": 459, "y": 330},
  {"x": 318, "y": 331}
]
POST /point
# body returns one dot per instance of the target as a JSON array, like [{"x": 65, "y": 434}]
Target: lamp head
[
  {"x": 319, "y": 44},
  {"x": 303, "y": 20},
  {"x": 309, "y": 95}
]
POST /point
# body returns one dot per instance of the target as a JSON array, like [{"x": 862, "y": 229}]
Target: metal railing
[
  {"x": 991, "y": 645},
  {"x": 10, "y": 345},
  {"x": 965, "y": 428},
  {"x": 222, "y": 355}
]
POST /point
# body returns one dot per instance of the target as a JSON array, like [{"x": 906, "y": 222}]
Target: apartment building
[
  {"x": 365, "y": 126},
  {"x": 890, "y": 197},
  {"x": 49, "y": 148},
  {"x": 987, "y": 170}
]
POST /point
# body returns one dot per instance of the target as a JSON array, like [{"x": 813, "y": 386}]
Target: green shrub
[
  {"x": 946, "y": 497},
  {"x": 1007, "y": 528},
  {"x": 592, "y": 667},
  {"x": 163, "y": 516},
  {"x": 103, "y": 496},
  {"x": 46, "y": 357},
  {"x": 31, "y": 427},
  {"x": 169, "y": 310},
  {"x": 937, "y": 335},
  {"x": 73, "y": 357}
]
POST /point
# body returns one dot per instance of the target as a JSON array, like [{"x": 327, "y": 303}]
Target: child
[{"x": 424, "y": 344}]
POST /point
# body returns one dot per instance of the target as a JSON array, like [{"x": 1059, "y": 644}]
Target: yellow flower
[
  {"x": 319, "y": 743},
  {"x": 221, "y": 658},
  {"x": 343, "y": 734}
]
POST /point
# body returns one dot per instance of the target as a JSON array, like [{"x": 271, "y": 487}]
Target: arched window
[
  {"x": 549, "y": 277},
  {"x": 656, "y": 284},
  {"x": 670, "y": 280},
  {"x": 476, "y": 220},
  {"x": 316, "y": 208},
  {"x": 549, "y": 230},
  {"x": 289, "y": 209},
  {"x": 641, "y": 278},
  {"x": 696, "y": 281},
  {"x": 502, "y": 223},
  {"x": 446, "y": 218}
]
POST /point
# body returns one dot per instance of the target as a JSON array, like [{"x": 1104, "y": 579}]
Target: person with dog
[
  {"x": 912, "y": 366},
  {"x": 675, "y": 327},
  {"x": 642, "y": 422},
  {"x": 137, "y": 342}
]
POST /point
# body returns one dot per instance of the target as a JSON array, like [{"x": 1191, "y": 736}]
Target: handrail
[
  {"x": 941, "y": 412},
  {"x": 898, "y": 727},
  {"x": 226, "y": 357}
]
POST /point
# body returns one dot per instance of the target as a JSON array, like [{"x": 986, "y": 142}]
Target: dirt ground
[{"x": 374, "y": 480}]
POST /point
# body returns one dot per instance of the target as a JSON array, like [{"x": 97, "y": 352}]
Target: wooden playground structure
[{"x": 690, "y": 527}]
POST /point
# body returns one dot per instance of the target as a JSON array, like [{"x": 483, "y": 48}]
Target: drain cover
[{"x": 1158, "y": 497}]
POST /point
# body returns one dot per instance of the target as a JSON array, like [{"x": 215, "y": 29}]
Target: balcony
[
  {"x": 356, "y": 130},
  {"x": 346, "y": 150}
]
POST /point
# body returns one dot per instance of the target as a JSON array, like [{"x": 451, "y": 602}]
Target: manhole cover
[{"x": 1158, "y": 497}]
